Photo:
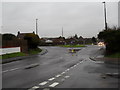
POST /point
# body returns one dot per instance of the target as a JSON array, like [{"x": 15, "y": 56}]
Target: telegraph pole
[
  {"x": 36, "y": 26},
  {"x": 105, "y": 15}
]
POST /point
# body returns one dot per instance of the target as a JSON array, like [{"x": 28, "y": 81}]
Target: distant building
[{"x": 53, "y": 41}]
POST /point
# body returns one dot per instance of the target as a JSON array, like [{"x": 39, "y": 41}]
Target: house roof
[{"x": 22, "y": 35}]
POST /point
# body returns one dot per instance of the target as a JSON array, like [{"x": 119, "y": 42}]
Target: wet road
[{"x": 59, "y": 68}]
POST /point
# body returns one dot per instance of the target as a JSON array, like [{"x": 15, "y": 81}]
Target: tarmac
[{"x": 99, "y": 56}]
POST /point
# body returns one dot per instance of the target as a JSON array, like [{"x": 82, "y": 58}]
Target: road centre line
[
  {"x": 35, "y": 87},
  {"x": 54, "y": 84},
  {"x": 19, "y": 68},
  {"x": 14, "y": 69},
  {"x": 71, "y": 67},
  {"x": 67, "y": 76},
  {"x": 62, "y": 73},
  {"x": 68, "y": 69},
  {"x": 58, "y": 75},
  {"x": 43, "y": 83},
  {"x": 10, "y": 70},
  {"x": 51, "y": 79},
  {"x": 4, "y": 71},
  {"x": 74, "y": 66}
]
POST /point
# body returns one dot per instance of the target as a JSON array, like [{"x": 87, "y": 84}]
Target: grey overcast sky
[{"x": 82, "y": 18}]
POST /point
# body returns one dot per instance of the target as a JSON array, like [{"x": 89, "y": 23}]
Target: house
[
  {"x": 23, "y": 42},
  {"x": 53, "y": 41},
  {"x": 22, "y": 35}
]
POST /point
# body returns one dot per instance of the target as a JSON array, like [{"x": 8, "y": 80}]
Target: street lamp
[
  {"x": 105, "y": 15},
  {"x": 36, "y": 27}
]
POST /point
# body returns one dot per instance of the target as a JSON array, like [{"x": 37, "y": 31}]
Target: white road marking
[
  {"x": 58, "y": 75},
  {"x": 43, "y": 83},
  {"x": 5, "y": 71},
  {"x": 10, "y": 70},
  {"x": 99, "y": 62},
  {"x": 67, "y": 76},
  {"x": 67, "y": 70},
  {"x": 63, "y": 73},
  {"x": 51, "y": 79},
  {"x": 54, "y": 84},
  {"x": 13, "y": 69},
  {"x": 35, "y": 87},
  {"x": 74, "y": 66},
  {"x": 71, "y": 67},
  {"x": 19, "y": 68}
]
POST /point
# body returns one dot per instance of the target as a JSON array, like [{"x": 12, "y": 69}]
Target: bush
[
  {"x": 8, "y": 37},
  {"x": 111, "y": 38}
]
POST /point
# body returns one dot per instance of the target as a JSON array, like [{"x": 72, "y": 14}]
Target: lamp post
[
  {"x": 105, "y": 15},
  {"x": 36, "y": 27}
]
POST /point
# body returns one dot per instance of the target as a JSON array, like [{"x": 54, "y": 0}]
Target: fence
[{"x": 9, "y": 50}]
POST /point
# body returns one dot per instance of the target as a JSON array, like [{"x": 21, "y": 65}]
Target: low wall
[{"x": 9, "y": 50}]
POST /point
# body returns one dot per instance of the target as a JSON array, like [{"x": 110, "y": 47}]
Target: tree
[
  {"x": 76, "y": 37},
  {"x": 8, "y": 37},
  {"x": 33, "y": 40},
  {"x": 111, "y": 38},
  {"x": 94, "y": 40}
]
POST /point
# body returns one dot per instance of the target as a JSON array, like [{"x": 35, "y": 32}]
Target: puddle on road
[{"x": 73, "y": 50}]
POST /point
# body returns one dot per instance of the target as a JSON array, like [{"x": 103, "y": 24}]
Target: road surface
[{"x": 59, "y": 69}]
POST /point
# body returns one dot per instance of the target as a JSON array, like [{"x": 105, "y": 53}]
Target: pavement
[
  {"x": 60, "y": 69},
  {"x": 99, "y": 56}
]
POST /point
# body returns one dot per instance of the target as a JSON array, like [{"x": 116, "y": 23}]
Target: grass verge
[
  {"x": 34, "y": 51},
  {"x": 115, "y": 55},
  {"x": 17, "y": 54},
  {"x": 72, "y": 45},
  {"x": 11, "y": 55}
]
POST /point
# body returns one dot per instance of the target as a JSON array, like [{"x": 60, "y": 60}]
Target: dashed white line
[
  {"x": 20, "y": 67},
  {"x": 63, "y": 73},
  {"x": 51, "y": 79},
  {"x": 13, "y": 69},
  {"x": 67, "y": 76},
  {"x": 74, "y": 65},
  {"x": 35, "y": 87},
  {"x": 54, "y": 84},
  {"x": 71, "y": 67},
  {"x": 58, "y": 75},
  {"x": 10, "y": 70},
  {"x": 5, "y": 71},
  {"x": 67, "y": 70},
  {"x": 43, "y": 83}
]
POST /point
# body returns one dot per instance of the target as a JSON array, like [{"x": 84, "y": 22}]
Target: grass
[
  {"x": 115, "y": 55},
  {"x": 5, "y": 56},
  {"x": 72, "y": 45},
  {"x": 34, "y": 51},
  {"x": 11, "y": 55}
]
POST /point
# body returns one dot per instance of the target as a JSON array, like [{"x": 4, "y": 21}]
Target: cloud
[{"x": 83, "y": 18}]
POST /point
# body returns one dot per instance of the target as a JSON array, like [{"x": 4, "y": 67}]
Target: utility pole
[
  {"x": 105, "y": 15},
  {"x": 36, "y": 26},
  {"x": 62, "y": 31}
]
